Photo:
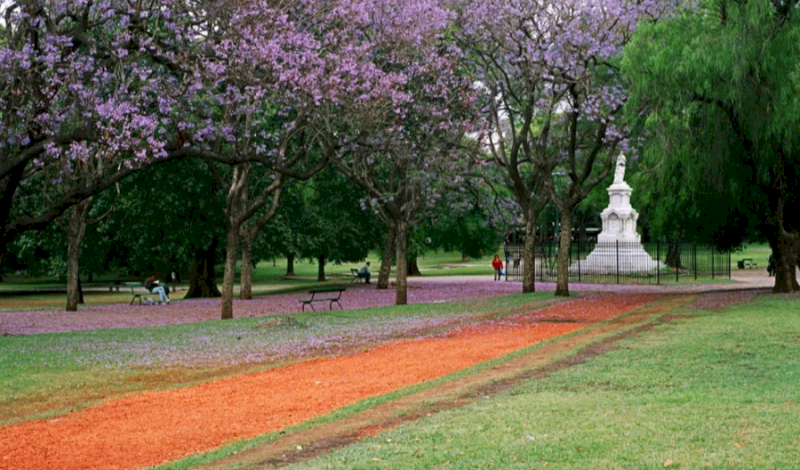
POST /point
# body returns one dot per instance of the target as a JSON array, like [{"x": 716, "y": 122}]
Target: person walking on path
[{"x": 497, "y": 264}]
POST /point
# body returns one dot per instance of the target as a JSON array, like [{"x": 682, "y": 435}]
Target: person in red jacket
[{"x": 497, "y": 264}]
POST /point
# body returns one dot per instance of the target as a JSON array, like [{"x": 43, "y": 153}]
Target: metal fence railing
[{"x": 624, "y": 263}]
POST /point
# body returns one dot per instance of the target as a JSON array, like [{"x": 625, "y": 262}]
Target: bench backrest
[{"x": 327, "y": 289}]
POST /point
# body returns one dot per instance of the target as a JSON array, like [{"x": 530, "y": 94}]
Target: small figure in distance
[
  {"x": 174, "y": 278},
  {"x": 364, "y": 272},
  {"x": 152, "y": 285},
  {"x": 497, "y": 264}
]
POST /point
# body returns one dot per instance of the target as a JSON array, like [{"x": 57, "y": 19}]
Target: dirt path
[{"x": 155, "y": 427}]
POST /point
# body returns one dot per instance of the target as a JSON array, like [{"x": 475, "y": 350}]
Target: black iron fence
[{"x": 624, "y": 263}]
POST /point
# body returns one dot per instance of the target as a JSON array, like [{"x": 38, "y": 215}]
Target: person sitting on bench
[
  {"x": 364, "y": 272},
  {"x": 151, "y": 284}
]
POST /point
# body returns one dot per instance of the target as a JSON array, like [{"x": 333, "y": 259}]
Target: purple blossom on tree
[
  {"x": 90, "y": 92},
  {"x": 552, "y": 92},
  {"x": 405, "y": 142}
]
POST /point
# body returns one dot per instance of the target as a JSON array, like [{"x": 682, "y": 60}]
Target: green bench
[
  {"x": 356, "y": 277},
  {"x": 332, "y": 295},
  {"x": 136, "y": 295},
  {"x": 746, "y": 263},
  {"x": 112, "y": 284}
]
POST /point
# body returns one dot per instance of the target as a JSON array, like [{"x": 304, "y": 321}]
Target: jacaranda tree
[
  {"x": 85, "y": 84},
  {"x": 297, "y": 69},
  {"x": 554, "y": 95},
  {"x": 401, "y": 146},
  {"x": 114, "y": 87}
]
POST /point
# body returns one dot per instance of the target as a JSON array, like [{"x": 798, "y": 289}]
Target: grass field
[
  {"x": 717, "y": 390},
  {"x": 431, "y": 264},
  {"x": 759, "y": 253}
]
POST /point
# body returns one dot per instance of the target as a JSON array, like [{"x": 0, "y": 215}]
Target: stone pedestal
[{"x": 619, "y": 218}]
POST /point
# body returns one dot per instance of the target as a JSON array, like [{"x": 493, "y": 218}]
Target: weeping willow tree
[{"x": 715, "y": 89}]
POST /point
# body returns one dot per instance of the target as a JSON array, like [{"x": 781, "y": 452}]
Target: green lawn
[
  {"x": 431, "y": 264},
  {"x": 759, "y": 253},
  {"x": 718, "y": 390}
]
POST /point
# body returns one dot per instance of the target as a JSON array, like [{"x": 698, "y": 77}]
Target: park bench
[
  {"x": 136, "y": 295},
  {"x": 356, "y": 277},
  {"x": 112, "y": 284},
  {"x": 324, "y": 294},
  {"x": 746, "y": 263}
]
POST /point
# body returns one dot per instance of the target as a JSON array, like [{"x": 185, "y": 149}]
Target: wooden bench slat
[{"x": 331, "y": 298}]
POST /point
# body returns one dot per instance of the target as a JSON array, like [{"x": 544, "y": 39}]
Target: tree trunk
[
  {"x": 673, "y": 259},
  {"x": 229, "y": 275},
  {"x": 290, "y": 264},
  {"x": 321, "y": 268},
  {"x": 202, "y": 276},
  {"x": 786, "y": 244},
  {"x": 8, "y": 187},
  {"x": 76, "y": 230},
  {"x": 785, "y": 263},
  {"x": 413, "y": 267},
  {"x": 246, "y": 275},
  {"x": 401, "y": 287},
  {"x": 386, "y": 259},
  {"x": 562, "y": 261},
  {"x": 580, "y": 225},
  {"x": 529, "y": 257},
  {"x": 235, "y": 205},
  {"x": 532, "y": 209},
  {"x": 248, "y": 234}
]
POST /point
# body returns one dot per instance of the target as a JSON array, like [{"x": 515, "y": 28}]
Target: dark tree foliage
[
  {"x": 169, "y": 218},
  {"x": 336, "y": 224},
  {"x": 722, "y": 122}
]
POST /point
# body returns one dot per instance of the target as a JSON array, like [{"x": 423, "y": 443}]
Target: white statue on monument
[
  {"x": 619, "y": 248},
  {"x": 619, "y": 172}
]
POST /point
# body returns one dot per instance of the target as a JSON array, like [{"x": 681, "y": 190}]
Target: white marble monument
[{"x": 619, "y": 247}]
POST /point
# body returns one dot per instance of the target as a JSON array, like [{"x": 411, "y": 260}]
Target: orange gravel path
[{"x": 151, "y": 428}]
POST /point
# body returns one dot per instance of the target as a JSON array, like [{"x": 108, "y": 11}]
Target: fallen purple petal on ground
[
  {"x": 420, "y": 290},
  {"x": 198, "y": 310}
]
